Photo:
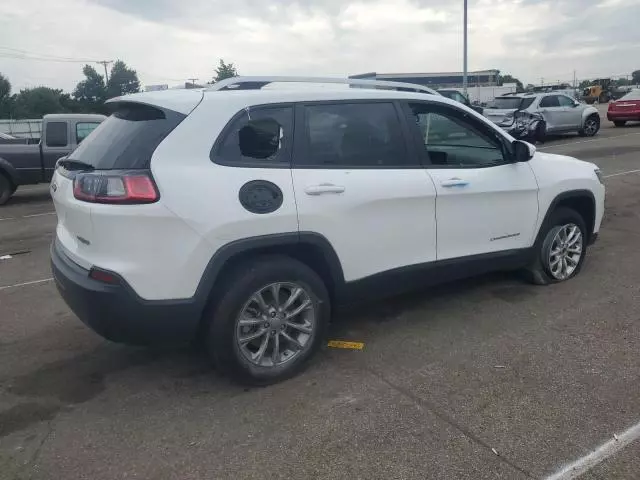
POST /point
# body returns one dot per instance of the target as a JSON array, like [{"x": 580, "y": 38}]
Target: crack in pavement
[{"x": 431, "y": 407}]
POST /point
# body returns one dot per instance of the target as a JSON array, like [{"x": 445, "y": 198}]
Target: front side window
[
  {"x": 549, "y": 101},
  {"x": 565, "y": 101},
  {"x": 56, "y": 134},
  {"x": 354, "y": 135},
  {"x": 257, "y": 137},
  {"x": 452, "y": 139},
  {"x": 84, "y": 129}
]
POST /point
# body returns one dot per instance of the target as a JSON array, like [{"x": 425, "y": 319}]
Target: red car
[{"x": 627, "y": 109}]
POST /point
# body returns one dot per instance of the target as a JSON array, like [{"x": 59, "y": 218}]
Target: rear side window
[
  {"x": 258, "y": 137},
  {"x": 128, "y": 138},
  {"x": 56, "y": 134},
  {"x": 353, "y": 135},
  {"x": 526, "y": 103},
  {"x": 83, "y": 129},
  {"x": 550, "y": 101}
]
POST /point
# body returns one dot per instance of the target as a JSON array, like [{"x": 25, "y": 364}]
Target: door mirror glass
[{"x": 523, "y": 151}]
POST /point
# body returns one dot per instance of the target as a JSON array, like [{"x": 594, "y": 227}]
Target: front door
[
  {"x": 485, "y": 203},
  {"x": 358, "y": 184}
]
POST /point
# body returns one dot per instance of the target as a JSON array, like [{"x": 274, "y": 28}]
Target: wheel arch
[
  {"x": 9, "y": 171},
  {"x": 310, "y": 248},
  {"x": 587, "y": 112},
  {"x": 582, "y": 201}
]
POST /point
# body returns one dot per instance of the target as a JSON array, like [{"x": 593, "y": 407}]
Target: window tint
[
  {"x": 453, "y": 139},
  {"x": 56, "y": 134},
  {"x": 83, "y": 130},
  {"x": 549, "y": 101},
  {"x": 565, "y": 101},
  {"x": 128, "y": 138},
  {"x": 358, "y": 135},
  {"x": 526, "y": 102},
  {"x": 260, "y": 136}
]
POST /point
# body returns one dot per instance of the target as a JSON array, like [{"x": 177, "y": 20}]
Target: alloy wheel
[
  {"x": 565, "y": 251},
  {"x": 276, "y": 324}
]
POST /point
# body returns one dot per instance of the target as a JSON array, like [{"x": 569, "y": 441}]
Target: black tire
[
  {"x": 240, "y": 285},
  {"x": 619, "y": 123},
  {"x": 587, "y": 130},
  {"x": 539, "y": 271},
  {"x": 6, "y": 189}
]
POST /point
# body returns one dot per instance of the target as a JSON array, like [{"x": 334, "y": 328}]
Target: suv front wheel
[
  {"x": 591, "y": 126},
  {"x": 560, "y": 249},
  {"x": 270, "y": 320}
]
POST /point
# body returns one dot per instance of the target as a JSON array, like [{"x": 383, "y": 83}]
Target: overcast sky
[{"x": 167, "y": 41}]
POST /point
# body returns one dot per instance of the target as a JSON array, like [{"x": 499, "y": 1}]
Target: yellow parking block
[{"x": 347, "y": 345}]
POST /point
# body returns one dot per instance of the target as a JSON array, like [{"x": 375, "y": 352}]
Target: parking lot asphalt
[{"x": 482, "y": 379}]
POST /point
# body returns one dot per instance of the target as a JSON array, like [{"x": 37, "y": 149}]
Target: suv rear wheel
[
  {"x": 269, "y": 322},
  {"x": 560, "y": 249}
]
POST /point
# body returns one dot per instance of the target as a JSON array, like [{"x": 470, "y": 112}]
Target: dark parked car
[{"x": 25, "y": 164}]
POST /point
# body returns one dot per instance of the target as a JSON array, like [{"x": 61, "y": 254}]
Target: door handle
[
  {"x": 454, "y": 182},
  {"x": 323, "y": 188}
]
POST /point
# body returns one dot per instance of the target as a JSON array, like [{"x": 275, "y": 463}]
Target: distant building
[{"x": 484, "y": 78}]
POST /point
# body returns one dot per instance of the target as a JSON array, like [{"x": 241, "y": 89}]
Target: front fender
[{"x": 587, "y": 112}]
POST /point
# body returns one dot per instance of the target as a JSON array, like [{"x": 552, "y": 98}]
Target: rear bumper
[
  {"x": 117, "y": 313},
  {"x": 623, "y": 116}
]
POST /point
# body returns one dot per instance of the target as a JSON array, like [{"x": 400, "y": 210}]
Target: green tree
[
  {"x": 510, "y": 79},
  {"x": 5, "y": 97},
  {"x": 123, "y": 80},
  {"x": 224, "y": 71},
  {"x": 90, "y": 93},
  {"x": 636, "y": 77},
  {"x": 37, "y": 102}
]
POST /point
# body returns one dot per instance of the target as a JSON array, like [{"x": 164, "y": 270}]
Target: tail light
[{"x": 115, "y": 187}]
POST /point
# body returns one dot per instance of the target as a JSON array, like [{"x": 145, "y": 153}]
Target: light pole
[{"x": 465, "y": 81}]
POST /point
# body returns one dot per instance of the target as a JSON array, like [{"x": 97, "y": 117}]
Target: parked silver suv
[{"x": 561, "y": 113}]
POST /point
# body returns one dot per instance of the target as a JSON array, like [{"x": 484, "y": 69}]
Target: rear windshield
[
  {"x": 512, "y": 102},
  {"x": 128, "y": 138},
  {"x": 632, "y": 95}
]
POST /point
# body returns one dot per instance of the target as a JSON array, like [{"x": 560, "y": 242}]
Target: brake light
[
  {"x": 123, "y": 187},
  {"x": 104, "y": 277}
]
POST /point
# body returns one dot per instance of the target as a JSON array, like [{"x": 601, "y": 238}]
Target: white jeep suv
[{"x": 242, "y": 215}]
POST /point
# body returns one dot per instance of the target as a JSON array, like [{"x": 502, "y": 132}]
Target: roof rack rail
[{"x": 256, "y": 83}]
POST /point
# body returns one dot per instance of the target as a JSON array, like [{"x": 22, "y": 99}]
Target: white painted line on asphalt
[
  {"x": 601, "y": 139},
  {"x": 7, "y": 218},
  {"x": 26, "y": 283},
  {"x": 39, "y": 215},
  {"x": 620, "y": 173},
  {"x": 604, "y": 451}
]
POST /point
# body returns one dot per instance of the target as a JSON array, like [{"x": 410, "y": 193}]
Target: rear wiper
[{"x": 74, "y": 164}]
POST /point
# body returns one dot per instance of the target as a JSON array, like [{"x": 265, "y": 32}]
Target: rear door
[
  {"x": 359, "y": 184},
  {"x": 553, "y": 113},
  {"x": 484, "y": 203}
]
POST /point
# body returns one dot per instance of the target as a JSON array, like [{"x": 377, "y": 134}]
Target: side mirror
[{"x": 523, "y": 151}]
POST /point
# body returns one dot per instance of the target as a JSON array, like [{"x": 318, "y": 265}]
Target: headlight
[{"x": 599, "y": 175}]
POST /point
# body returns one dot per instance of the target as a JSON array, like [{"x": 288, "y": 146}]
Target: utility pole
[
  {"x": 465, "y": 81},
  {"x": 574, "y": 79},
  {"x": 104, "y": 63},
  {"x": 193, "y": 81}
]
